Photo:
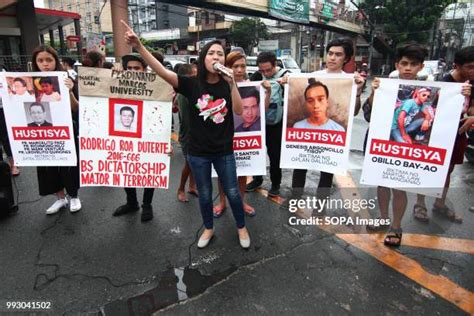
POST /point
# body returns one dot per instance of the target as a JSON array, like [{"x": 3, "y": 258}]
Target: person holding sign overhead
[{"x": 212, "y": 96}]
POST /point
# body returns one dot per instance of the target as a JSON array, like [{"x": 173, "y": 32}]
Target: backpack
[{"x": 274, "y": 114}]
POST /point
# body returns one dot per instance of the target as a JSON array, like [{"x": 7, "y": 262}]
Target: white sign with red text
[
  {"x": 411, "y": 136},
  {"x": 38, "y": 115},
  {"x": 317, "y": 122},
  {"x": 249, "y": 131},
  {"x": 125, "y": 139}
]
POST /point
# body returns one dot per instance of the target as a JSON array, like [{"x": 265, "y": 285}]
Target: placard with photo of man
[{"x": 317, "y": 121}]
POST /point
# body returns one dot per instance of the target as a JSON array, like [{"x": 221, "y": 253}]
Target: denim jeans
[
  {"x": 413, "y": 128},
  {"x": 226, "y": 170}
]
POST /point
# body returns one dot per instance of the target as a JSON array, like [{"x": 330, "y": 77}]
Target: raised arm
[{"x": 132, "y": 39}]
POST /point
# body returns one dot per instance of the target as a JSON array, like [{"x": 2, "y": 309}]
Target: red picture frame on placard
[{"x": 125, "y": 117}]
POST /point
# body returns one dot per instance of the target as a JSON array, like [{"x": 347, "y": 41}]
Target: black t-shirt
[
  {"x": 212, "y": 136},
  {"x": 449, "y": 78}
]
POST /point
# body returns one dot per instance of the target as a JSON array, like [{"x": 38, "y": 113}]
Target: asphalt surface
[{"x": 92, "y": 263}]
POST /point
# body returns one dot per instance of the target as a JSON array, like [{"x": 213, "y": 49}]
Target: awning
[{"x": 49, "y": 19}]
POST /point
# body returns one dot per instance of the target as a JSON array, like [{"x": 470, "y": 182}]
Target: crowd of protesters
[{"x": 202, "y": 150}]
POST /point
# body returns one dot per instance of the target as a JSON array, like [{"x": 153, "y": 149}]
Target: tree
[
  {"x": 247, "y": 33},
  {"x": 405, "y": 20},
  {"x": 147, "y": 43}
]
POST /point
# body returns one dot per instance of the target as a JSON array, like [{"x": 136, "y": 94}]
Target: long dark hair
[
  {"x": 48, "y": 49},
  {"x": 93, "y": 59},
  {"x": 202, "y": 71}
]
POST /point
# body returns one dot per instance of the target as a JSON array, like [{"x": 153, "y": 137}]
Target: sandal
[
  {"x": 420, "y": 213},
  {"x": 181, "y": 196},
  {"x": 248, "y": 210},
  {"x": 447, "y": 213},
  {"x": 393, "y": 237},
  {"x": 377, "y": 228},
  {"x": 218, "y": 211}
]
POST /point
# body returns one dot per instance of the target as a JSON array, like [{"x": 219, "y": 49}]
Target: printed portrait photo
[
  {"x": 21, "y": 89},
  {"x": 38, "y": 114},
  {"x": 414, "y": 114},
  {"x": 47, "y": 89},
  {"x": 250, "y": 120},
  {"x": 125, "y": 117},
  {"x": 319, "y": 103}
]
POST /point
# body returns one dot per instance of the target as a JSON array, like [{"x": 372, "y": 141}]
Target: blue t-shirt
[
  {"x": 410, "y": 108},
  {"x": 329, "y": 125}
]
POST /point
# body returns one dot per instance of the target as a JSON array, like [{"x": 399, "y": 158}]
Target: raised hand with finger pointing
[{"x": 131, "y": 38}]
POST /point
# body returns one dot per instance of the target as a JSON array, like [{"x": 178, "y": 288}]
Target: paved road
[{"x": 91, "y": 262}]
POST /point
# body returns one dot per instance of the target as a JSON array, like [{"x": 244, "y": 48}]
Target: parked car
[{"x": 283, "y": 62}]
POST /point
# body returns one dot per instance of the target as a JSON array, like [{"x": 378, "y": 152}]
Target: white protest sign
[{"x": 38, "y": 115}]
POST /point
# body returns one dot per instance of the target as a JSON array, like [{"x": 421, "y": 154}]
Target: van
[{"x": 283, "y": 62}]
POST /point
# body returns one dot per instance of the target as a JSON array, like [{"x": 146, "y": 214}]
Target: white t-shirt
[
  {"x": 330, "y": 125},
  {"x": 26, "y": 97},
  {"x": 72, "y": 73},
  {"x": 325, "y": 71},
  {"x": 53, "y": 97}
]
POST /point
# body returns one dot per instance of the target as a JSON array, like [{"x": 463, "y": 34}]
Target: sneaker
[
  {"x": 147, "y": 212},
  {"x": 254, "y": 185},
  {"x": 57, "y": 206},
  {"x": 126, "y": 208},
  {"x": 274, "y": 191},
  {"x": 75, "y": 205}
]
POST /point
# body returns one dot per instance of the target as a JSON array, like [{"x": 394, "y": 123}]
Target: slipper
[
  {"x": 420, "y": 213},
  {"x": 249, "y": 211},
  {"x": 377, "y": 228},
  {"x": 217, "y": 211},
  {"x": 195, "y": 193},
  {"x": 393, "y": 237},
  {"x": 447, "y": 213}
]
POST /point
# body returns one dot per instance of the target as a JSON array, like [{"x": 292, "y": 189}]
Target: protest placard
[
  {"x": 317, "y": 122},
  {"x": 38, "y": 116},
  {"x": 412, "y": 131},
  {"x": 125, "y": 128}
]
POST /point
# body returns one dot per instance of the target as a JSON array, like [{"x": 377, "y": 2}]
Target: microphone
[{"x": 220, "y": 68}]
